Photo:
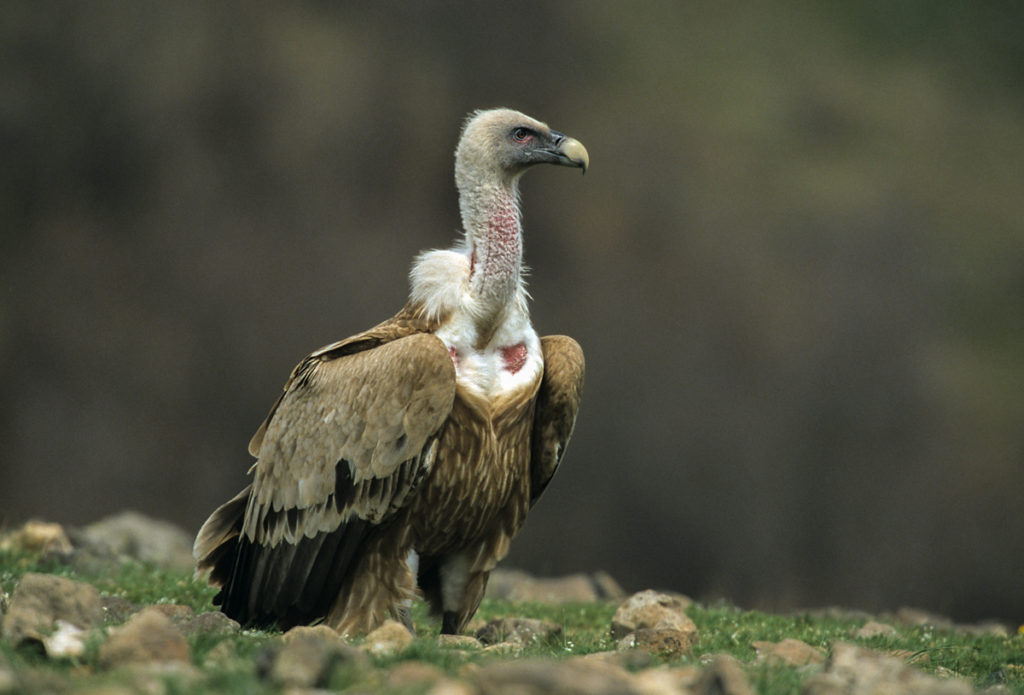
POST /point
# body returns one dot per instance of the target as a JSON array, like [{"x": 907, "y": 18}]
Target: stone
[
  {"x": 874, "y": 628},
  {"x": 390, "y": 638},
  {"x": 536, "y": 677},
  {"x": 652, "y": 609},
  {"x": 177, "y": 613},
  {"x": 307, "y": 657},
  {"x": 449, "y": 686},
  {"x": 666, "y": 681},
  {"x": 459, "y": 642},
  {"x": 135, "y": 535},
  {"x": 312, "y": 632},
  {"x": 161, "y": 677},
  {"x": 987, "y": 628},
  {"x": 8, "y": 681},
  {"x": 148, "y": 637},
  {"x": 521, "y": 630},
  {"x": 40, "y": 600},
  {"x": 855, "y": 670},
  {"x": 38, "y": 537},
  {"x": 838, "y": 613},
  {"x": 723, "y": 676},
  {"x": 667, "y": 643},
  {"x": 626, "y": 658},
  {"x": 504, "y": 649},
  {"x": 607, "y": 588},
  {"x": 516, "y": 585},
  {"x": 917, "y": 617},
  {"x": 222, "y": 654},
  {"x": 117, "y": 610},
  {"x": 210, "y": 623},
  {"x": 67, "y": 641},
  {"x": 302, "y": 663},
  {"x": 791, "y": 652},
  {"x": 412, "y": 675}
]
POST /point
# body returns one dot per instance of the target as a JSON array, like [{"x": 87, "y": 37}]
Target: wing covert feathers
[
  {"x": 558, "y": 401},
  {"x": 344, "y": 436}
]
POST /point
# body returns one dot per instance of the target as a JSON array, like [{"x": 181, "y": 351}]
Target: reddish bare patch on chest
[{"x": 513, "y": 357}]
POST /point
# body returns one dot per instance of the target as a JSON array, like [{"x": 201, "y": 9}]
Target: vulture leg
[{"x": 454, "y": 588}]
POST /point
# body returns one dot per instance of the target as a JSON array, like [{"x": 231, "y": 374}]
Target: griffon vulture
[{"x": 404, "y": 459}]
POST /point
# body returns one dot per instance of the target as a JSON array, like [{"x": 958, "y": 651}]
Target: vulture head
[{"x": 500, "y": 144}]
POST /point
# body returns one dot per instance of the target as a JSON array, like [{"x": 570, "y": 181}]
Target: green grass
[{"x": 228, "y": 663}]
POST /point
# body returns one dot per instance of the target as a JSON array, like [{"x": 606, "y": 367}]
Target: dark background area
[{"x": 796, "y": 267}]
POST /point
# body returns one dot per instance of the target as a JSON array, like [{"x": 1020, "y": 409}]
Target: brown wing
[
  {"x": 406, "y": 323},
  {"x": 343, "y": 448},
  {"x": 558, "y": 400}
]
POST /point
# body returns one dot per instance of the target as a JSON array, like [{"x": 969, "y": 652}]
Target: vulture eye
[{"x": 522, "y": 134}]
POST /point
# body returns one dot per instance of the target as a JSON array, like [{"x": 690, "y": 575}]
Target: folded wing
[
  {"x": 341, "y": 451},
  {"x": 558, "y": 401}
]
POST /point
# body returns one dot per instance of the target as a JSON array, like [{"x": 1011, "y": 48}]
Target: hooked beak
[{"x": 566, "y": 151}]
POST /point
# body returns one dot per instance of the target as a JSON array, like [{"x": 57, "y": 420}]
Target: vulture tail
[{"x": 217, "y": 541}]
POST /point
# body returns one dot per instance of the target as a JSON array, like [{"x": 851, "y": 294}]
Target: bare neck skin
[{"x": 494, "y": 237}]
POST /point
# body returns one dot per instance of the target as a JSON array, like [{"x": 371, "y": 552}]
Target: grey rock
[
  {"x": 176, "y": 612},
  {"x": 134, "y": 535},
  {"x": 449, "y": 686},
  {"x": 723, "y": 676},
  {"x": 854, "y": 670},
  {"x": 391, "y": 637},
  {"x": 510, "y": 649},
  {"x": 412, "y": 675},
  {"x": 574, "y": 677},
  {"x": 117, "y": 610},
  {"x": 516, "y": 585},
  {"x": 626, "y": 658},
  {"x": 667, "y": 681},
  {"x": 38, "y": 537},
  {"x": 607, "y": 588},
  {"x": 40, "y": 600},
  {"x": 987, "y": 628},
  {"x": 159, "y": 678},
  {"x": 210, "y": 623},
  {"x": 8, "y": 681},
  {"x": 519, "y": 630},
  {"x": 67, "y": 641},
  {"x": 873, "y": 628},
  {"x": 838, "y": 613},
  {"x": 148, "y": 637},
  {"x": 652, "y": 609},
  {"x": 459, "y": 642},
  {"x": 666, "y": 642},
  {"x": 791, "y": 652},
  {"x": 917, "y": 617},
  {"x": 307, "y": 657}
]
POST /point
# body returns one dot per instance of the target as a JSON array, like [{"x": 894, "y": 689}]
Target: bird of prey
[{"x": 401, "y": 461}]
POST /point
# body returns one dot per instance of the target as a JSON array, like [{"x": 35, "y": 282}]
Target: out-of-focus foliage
[{"x": 796, "y": 266}]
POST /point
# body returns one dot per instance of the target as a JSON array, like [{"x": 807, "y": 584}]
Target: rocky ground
[{"x": 62, "y": 634}]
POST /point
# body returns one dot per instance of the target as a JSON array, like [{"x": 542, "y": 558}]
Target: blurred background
[{"x": 796, "y": 267}]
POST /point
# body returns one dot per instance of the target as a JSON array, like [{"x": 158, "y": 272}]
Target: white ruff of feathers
[{"x": 482, "y": 275}]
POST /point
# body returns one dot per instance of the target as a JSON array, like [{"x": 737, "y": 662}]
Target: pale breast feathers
[{"x": 351, "y": 435}]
